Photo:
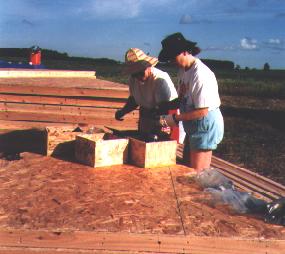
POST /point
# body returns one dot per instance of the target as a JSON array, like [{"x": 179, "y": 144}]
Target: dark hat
[{"x": 174, "y": 44}]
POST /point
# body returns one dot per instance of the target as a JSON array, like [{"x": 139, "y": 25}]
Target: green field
[{"x": 253, "y": 105}]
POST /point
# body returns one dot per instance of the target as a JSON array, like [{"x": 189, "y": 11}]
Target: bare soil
[{"x": 255, "y": 135}]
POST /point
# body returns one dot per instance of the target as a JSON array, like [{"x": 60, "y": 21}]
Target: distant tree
[
  {"x": 237, "y": 67},
  {"x": 246, "y": 68},
  {"x": 266, "y": 67},
  {"x": 219, "y": 64}
]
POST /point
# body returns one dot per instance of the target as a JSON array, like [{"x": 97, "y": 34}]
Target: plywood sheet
[
  {"x": 99, "y": 150},
  {"x": 44, "y": 193},
  {"x": 152, "y": 154}
]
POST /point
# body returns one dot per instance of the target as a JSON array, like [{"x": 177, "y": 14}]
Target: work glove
[
  {"x": 167, "y": 121},
  {"x": 119, "y": 115}
]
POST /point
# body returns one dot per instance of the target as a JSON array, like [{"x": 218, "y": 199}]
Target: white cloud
[
  {"x": 275, "y": 44},
  {"x": 220, "y": 48},
  {"x": 115, "y": 9},
  {"x": 185, "y": 19},
  {"x": 248, "y": 43},
  {"x": 274, "y": 41},
  {"x": 119, "y": 9}
]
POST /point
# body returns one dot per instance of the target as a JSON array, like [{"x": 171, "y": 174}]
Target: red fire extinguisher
[{"x": 35, "y": 55}]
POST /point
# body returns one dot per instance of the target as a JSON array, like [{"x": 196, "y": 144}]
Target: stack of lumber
[{"x": 73, "y": 97}]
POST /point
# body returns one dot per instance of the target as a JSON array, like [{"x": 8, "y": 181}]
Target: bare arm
[{"x": 192, "y": 115}]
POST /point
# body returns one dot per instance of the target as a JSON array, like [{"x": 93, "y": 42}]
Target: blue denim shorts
[{"x": 207, "y": 132}]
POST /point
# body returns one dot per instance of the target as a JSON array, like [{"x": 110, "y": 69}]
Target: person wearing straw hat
[
  {"x": 198, "y": 101},
  {"x": 148, "y": 87}
]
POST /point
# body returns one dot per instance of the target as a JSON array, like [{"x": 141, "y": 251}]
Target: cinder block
[
  {"x": 152, "y": 154},
  {"x": 101, "y": 149}
]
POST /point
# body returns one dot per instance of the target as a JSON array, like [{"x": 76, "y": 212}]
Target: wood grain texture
[
  {"x": 245, "y": 179},
  {"x": 96, "y": 150},
  {"x": 63, "y": 100},
  {"x": 64, "y": 87},
  {"x": 74, "y": 242},
  {"x": 28, "y": 73},
  {"x": 94, "y": 119},
  {"x": 152, "y": 154}
]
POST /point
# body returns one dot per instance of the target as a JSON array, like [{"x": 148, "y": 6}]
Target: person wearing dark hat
[
  {"x": 198, "y": 101},
  {"x": 148, "y": 87}
]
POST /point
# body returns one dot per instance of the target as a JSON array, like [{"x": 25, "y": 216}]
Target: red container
[
  {"x": 35, "y": 58},
  {"x": 174, "y": 134}
]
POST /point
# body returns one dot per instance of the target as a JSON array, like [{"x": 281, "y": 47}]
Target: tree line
[{"x": 48, "y": 54}]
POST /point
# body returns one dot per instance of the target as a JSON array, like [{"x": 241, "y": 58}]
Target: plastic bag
[
  {"x": 212, "y": 178},
  {"x": 240, "y": 202}
]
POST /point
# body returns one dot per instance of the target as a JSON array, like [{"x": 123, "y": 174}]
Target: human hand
[
  {"x": 119, "y": 114},
  {"x": 168, "y": 120}
]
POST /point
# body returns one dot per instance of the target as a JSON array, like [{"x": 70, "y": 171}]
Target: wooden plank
[
  {"x": 251, "y": 187},
  {"x": 100, "y": 150},
  {"x": 64, "y": 87},
  {"x": 254, "y": 184},
  {"x": 27, "y": 73},
  {"x": 67, "y": 101},
  {"x": 248, "y": 172},
  {"x": 60, "y": 141},
  {"x": 152, "y": 154},
  {"x": 72, "y": 91},
  {"x": 245, "y": 179},
  {"x": 74, "y": 242},
  {"x": 6, "y": 125},
  {"x": 255, "y": 179},
  {"x": 63, "y": 109},
  {"x": 69, "y": 118}
]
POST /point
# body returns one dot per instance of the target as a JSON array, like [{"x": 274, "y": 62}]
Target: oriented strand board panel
[
  {"x": 44, "y": 193},
  {"x": 101, "y": 149},
  {"x": 152, "y": 154}
]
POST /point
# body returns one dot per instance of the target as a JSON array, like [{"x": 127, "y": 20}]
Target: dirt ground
[
  {"x": 254, "y": 135},
  {"x": 45, "y": 193}
]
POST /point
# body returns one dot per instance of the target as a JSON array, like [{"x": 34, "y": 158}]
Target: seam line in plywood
[{"x": 177, "y": 201}]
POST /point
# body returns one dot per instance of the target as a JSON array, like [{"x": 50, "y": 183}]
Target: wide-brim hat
[
  {"x": 136, "y": 60},
  {"x": 174, "y": 44}
]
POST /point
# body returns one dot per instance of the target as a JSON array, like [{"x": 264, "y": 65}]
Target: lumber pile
[{"x": 67, "y": 97}]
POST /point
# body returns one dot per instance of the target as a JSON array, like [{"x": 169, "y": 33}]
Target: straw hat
[
  {"x": 136, "y": 60},
  {"x": 174, "y": 44}
]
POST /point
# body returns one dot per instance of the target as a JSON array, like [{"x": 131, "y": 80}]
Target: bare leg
[
  {"x": 200, "y": 159},
  {"x": 186, "y": 151}
]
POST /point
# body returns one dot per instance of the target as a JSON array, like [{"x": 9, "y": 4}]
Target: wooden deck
[{"x": 54, "y": 205}]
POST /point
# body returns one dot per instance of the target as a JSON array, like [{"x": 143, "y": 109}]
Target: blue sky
[{"x": 247, "y": 32}]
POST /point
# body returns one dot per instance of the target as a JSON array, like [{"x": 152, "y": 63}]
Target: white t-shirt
[
  {"x": 156, "y": 89},
  {"x": 198, "y": 88}
]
